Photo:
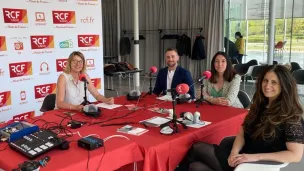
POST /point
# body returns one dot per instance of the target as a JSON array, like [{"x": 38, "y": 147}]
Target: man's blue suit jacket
[{"x": 181, "y": 75}]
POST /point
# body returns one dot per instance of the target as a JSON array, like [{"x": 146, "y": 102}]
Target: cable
[
  {"x": 113, "y": 136},
  {"x": 88, "y": 160},
  {"x": 4, "y": 148},
  {"x": 104, "y": 153},
  {"x": 114, "y": 118}
]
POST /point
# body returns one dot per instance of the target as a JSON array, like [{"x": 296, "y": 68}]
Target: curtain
[
  {"x": 168, "y": 14},
  {"x": 109, "y": 27}
]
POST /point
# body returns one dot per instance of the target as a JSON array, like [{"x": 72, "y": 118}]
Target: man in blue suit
[{"x": 172, "y": 75}]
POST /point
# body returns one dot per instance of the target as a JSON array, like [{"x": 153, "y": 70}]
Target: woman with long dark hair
[
  {"x": 273, "y": 130},
  {"x": 223, "y": 86}
]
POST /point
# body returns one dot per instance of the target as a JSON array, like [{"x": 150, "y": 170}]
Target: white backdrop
[{"x": 36, "y": 37}]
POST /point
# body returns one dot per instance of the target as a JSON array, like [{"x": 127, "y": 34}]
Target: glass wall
[{"x": 251, "y": 19}]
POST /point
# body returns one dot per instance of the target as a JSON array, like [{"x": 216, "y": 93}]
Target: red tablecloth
[
  {"x": 76, "y": 158},
  {"x": 161, "y": 152}
]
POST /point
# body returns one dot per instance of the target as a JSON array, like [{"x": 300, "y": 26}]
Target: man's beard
[{"x": 171, "y": 64}]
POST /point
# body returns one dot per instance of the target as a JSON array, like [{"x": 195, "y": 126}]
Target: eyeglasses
[{"x": 77, "y": 62}]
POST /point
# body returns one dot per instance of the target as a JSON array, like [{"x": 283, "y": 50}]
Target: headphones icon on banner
[{"x": 44, "y": 67}]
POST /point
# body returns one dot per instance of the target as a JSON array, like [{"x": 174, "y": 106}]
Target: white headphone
[{"x": 192, "y": 119}]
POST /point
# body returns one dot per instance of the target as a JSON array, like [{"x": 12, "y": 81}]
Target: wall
[{"x": 36, "y": 37}]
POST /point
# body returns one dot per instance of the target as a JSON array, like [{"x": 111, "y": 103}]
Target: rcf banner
[{"x": 36, "y": 39}]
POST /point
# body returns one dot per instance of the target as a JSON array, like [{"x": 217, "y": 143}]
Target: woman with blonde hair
[{"x": 70, "y": 90}]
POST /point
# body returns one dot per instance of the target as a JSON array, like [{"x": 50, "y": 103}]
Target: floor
[{"x": 121, "y": 85}]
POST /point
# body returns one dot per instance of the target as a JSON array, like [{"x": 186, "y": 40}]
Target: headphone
[
  {"x": 189, "y": 118},
  {"x": 91, "y": 110},
  {"x": 45, "y": 64},
  {"x": 133, "y": 95},
  {"x": 184, "y": 98}
]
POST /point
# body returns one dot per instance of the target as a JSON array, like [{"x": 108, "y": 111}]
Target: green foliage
[{"x": 257, "y": 28}]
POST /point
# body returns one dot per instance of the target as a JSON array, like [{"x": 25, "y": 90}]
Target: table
[
  {"x": 160, "y": 152},
  {"x": 76, "y": 158}
]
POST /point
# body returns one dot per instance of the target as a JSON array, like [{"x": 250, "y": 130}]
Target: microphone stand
[
  {"x": 150, "y": 88},
  {"x": 85, "y": 99},
  {"x": 201, "y": 99},
  {"x": 174, "y": 120}
]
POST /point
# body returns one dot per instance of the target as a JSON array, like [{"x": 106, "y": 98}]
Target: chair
[
  {"x": 261, "y": 166},
  {"x": 294, "y": 66},
  {"x": 234, "y": 61},
  {"x": 242, "y": 69},
  {"x": 248, "y": 74},
  {"x": 48, "y": 103},
  {"x": 279, "y": 48},
  {"x": 244, "y": 99},
  {"x": 299, "y": 77},
  {"x": 227, "y": 142}
]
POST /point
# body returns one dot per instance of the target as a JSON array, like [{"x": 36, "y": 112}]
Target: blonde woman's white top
[{"x": 74, "y": 90}]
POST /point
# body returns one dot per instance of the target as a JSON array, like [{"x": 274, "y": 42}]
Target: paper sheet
[
  {"x": 107, "y": 106},
  {"x": 165, "y": 98},
  {"x": 198, "y": 125},
  {"x": 155, "y": 121}
]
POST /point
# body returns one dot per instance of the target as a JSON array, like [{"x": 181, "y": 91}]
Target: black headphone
[
  {"x": 133, "y": 95},
  {"x": 184, "y": 98},
  {"x": 91, "y": 110}
]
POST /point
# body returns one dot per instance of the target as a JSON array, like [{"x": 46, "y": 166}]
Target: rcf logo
[
  {"x": 43, "y": 90},
  {"x": 15, "y": 15},
  {"x": 64, "y": 17},
  {"x": 96, "y": 82},
  {"x": 20, "y": 69},
  {"x": 61, "y": 64},
  {"x": 2, "y": 43},
  {"x": 90, "y": 63},
  {"x": 22, "y": 95},
  {"x": 88, "y": 40},
  {"x": 5, "y": 98},
  {"x": 24, "y": 116},
  {"x": 42, "y": 42},
  {"x": 87, "y": 20},
  {"x": 18, "y": 45}
]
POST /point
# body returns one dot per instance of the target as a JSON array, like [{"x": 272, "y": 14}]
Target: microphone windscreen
[
  {"x": 82, "y": 77},
  {"x": 207, "y": 74},
  {"x": 182, "y": 88},
  {"x": 153, "y": 69}
]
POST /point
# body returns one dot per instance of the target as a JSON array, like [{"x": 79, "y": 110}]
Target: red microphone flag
[
  {"x": 182, "y": 88},
  {"x": 153, "y": 69},
  {"x": 207, "y": 74}
]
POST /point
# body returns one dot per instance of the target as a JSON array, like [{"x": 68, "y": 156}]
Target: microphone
[
  {"x": 205, "y": 75},
  {"x": 153, "y": 69},
  {"x": 82, "y": 77},
  {"x": 180, "y": 89}
]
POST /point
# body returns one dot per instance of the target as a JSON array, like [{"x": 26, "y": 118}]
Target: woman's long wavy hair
[
  {"x": 229, "y": 72},
  {"x": 286, "y": 108}
]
